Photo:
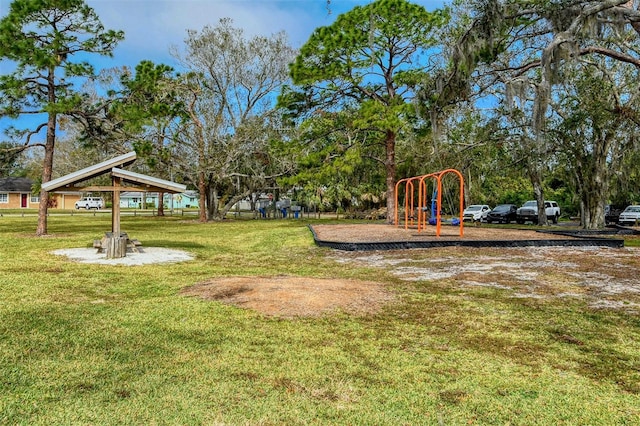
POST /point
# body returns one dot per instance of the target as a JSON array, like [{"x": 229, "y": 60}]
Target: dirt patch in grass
[{"x": 291, "y": 297}]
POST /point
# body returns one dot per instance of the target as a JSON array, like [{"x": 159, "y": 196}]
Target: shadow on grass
[{"x": 171, "y": 244}]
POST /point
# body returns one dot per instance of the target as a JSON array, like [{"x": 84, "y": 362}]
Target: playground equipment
[{"x": 418, "y": 212}]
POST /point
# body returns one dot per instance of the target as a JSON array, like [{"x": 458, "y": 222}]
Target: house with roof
[
  {"x": 15, "y": 193},
  {"x": 133, "y": 199},
  {"x": 184, "y": 200}
]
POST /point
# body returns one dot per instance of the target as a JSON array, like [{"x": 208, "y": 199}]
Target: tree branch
[{"x": 623, "y": 57}]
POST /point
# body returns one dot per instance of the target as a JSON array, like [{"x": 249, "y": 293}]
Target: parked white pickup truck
[
  {"x": 529, "y": 212},
  {"x": 90, "y": 203}
]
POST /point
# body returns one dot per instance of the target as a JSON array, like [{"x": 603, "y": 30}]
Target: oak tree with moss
[{"x": 533, "y": 50}]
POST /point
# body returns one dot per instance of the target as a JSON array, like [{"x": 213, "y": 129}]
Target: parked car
[
  {"x": 476, "y": 213},
  {"x": 630, "y": 215},
  {"x": 529, "y": 212},
  {"x": 90, "y": 203},
  {"x": 502, "y": 213}
]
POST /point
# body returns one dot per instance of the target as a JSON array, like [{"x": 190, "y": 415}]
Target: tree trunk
[
  {"x": 212, "y": 201},
  {"x": 579, "y": 190},
  {"x": 222, "y": 213},
  {"x": 202, "y": 191},
  {"x": 595, "y": 187},
  {"x": 201, "y": 165},
  {"x": 390, "y": 167},
  {"x": 47, "y": 170},
  {"x": 160, "y": 203},
  {"x": 467, "y": 186},
  {"x": 535, "y": 175},
  {"x": 593, "y": 211}
]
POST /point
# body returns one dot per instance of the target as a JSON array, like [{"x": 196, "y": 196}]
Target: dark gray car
[{"x": 502, "y": 213}]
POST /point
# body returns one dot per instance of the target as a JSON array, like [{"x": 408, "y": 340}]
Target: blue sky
[{"x": 152, "y": 26}]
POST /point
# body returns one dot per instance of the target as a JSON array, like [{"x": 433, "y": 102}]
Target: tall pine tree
[{"x": 42, "y": 38}]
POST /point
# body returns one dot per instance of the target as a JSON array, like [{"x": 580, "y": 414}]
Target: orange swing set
[{"x": 419, "y": 211}]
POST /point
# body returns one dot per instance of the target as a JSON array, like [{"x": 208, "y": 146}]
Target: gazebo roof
[
  {"x": 116, "y": 242},
  {"x": 148, "y": 183},
  {"x": 139, "y": 181},
  {"x": 87, "y": 173}
]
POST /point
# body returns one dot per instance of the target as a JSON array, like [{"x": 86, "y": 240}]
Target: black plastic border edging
[{"x": 580, "y": 241}]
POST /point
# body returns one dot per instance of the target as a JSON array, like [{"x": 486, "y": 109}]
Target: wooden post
[
  {"x": 115, "y": 209},
  {"x": 115, "y": 245}
]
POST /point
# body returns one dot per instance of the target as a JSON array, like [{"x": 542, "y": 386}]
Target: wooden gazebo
[{"x": 114, "y": 243}]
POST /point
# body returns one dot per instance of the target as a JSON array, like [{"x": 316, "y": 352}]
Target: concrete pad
[{"x": 147, "y": 255}]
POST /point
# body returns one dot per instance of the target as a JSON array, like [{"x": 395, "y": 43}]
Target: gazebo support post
[
  {"x": 115, "y": 208},
  {"x": 115, "y": 244}
]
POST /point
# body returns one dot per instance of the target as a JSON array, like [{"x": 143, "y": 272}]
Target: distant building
[
  {"x": 133, "y": 200},
  {"x": 15, "y": 193},
  {"x": 188, "y": 199}
]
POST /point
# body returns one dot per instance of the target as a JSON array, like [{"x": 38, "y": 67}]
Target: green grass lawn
[{"x": 103, "y": 344}]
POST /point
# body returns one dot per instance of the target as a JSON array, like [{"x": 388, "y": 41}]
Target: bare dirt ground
[
  {"x": 602, "y": 278},
  {"x": 289, "y": 297}
]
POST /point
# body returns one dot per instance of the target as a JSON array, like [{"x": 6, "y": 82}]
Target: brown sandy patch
[{"x": 290, "y": 297}]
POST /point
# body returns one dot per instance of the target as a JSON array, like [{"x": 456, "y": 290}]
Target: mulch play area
[{"x": 354, "y": 237}]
